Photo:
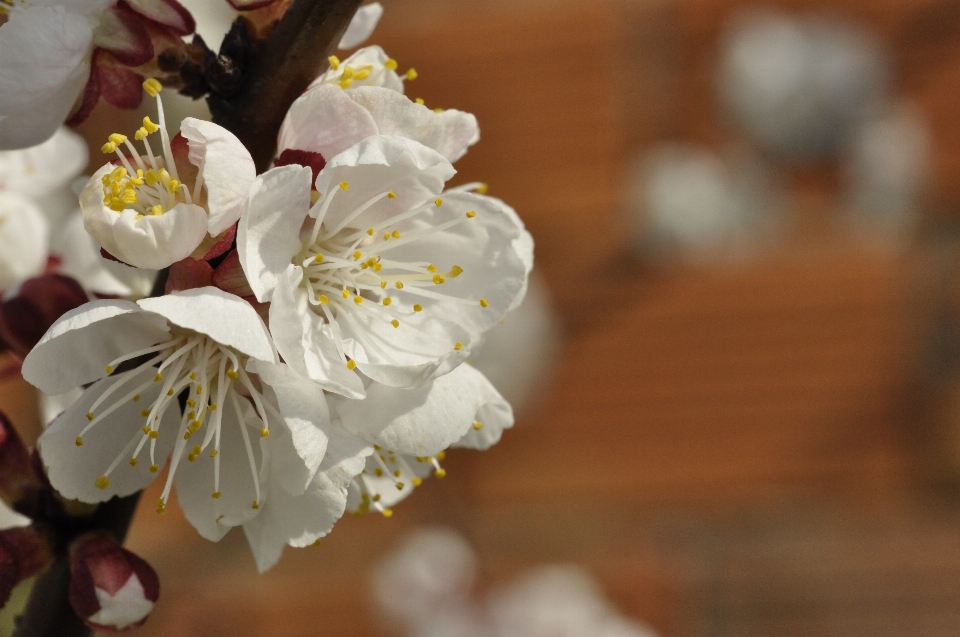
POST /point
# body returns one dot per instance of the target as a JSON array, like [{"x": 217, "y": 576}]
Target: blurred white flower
[
  {"x": 686, "y": 201},
  {"x": 24, "y": 239},
  {"x": 10, "y": 519},
  {"x": 362, "y": 26},
  {"x": 798, "y": 86},
  {"x": 887, "y": 170}
]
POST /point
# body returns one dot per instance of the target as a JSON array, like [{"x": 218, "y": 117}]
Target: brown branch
[{"x": 294, "y": 56}]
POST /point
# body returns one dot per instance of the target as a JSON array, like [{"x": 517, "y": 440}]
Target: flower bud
[
  {"x": 111, "y": 589},
  {"x": 17, "y": 477},
  {"x": 22, "y": 554},
  {"x": 25, "y": 318}
]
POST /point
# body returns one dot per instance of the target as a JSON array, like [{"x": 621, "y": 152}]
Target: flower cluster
[{"x": 310, "y": 353}]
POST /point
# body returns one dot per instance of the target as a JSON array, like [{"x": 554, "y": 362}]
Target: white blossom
[
  {"x": 364, "y": 22},
  {"x": 385, "y": 274},
  {"x": 204, "y": 347},
  {"x": 10, "y": 519},
  {"x": 155, "y": 209},
  {"x": 24, "y": 238}
]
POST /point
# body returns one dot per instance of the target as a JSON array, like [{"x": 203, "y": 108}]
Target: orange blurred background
[{"x": 766, "y": 449}]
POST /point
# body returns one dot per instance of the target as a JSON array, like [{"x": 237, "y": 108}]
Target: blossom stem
[{"x": 296, "y": 53}]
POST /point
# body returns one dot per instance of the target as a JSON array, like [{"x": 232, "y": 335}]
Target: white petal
[
  {"x": 301, "y": 520},
  {"x": 52, "y": 406},
  {"x": 42, "y": 169},
  {"x": 418, "y": 422},
  {"x": 415, "y": 173},
  {"x": 268, "y": 236},
  {"x": 214, "y": 517},
  {"x": 80, "y": 258},
  {"x": 372, "y": 56},
  {"x": 228, "y": 170},
  {"x": 298, "y": 448},
  {"x": 24, "y": 234},
  {"x": 493, "y": 416},
  {"x": 41, "y": 47},
  {"x": 128, "y": 606},
  {"x": 302, "y": 342},
  {"x": 225, "y": 318},
  {"x": 73, "y": 470},
  {"x": 450, "y": 132},
  {"x": 89, "y": 338},
  {"x": 10, "y": 519},
  {"x": 362, "y": 26},
  {"x": 326, "y": 120}
]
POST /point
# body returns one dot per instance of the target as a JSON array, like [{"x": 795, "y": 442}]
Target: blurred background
[{"x": 737, "y": 377}]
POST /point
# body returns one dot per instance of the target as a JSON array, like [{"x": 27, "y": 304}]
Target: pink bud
[
  {"x": 22, "y": 554},
  {"x": 111, "y": 589},
  {"x": 25, "y": 318}
]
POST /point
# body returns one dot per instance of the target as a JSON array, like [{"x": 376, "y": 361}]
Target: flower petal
[
  {"x": 268, "y": 236},
  {"x": 169, "y": 13},
  {"x": 364, "y": 22},
  {"x": 228, "y": 170},
  {"x": 80, "y": 258},
  {"x": 35, "y": 124},
  {"x": 214, "y": 517},
  {"x": 90, "y": 337},
  {"x": 10, "y": 519},
  {"x": 123, "y": 34},
  {"x": 417, "y": 422},
  {"x": 300, "y": 446},
  {"x": 494, "y": 415},
  {"x": 24, "y": 233},
  {"x": 119, "y": 86},
  {"x": 325, "y": 120},
  {"x": 73, "y": 470},
  {"x": 42, "y": 169},
  {"x": 225, "y": 318},
  {"x": 302, "y": 341}
]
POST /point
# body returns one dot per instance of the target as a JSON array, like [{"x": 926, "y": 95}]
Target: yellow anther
[
  {"x": 438, "y": 279},
  {"x": 256, "y": 505},
  {"x": 441, "y": 473},
  {"x": 346, "y": 294},
  {"x": 388, "y": 513},
  {"x": 90, "y": 416},
  {"x": 417, "y": 482},
  {"x": 386, "y": 236},
  {"x": 170, "y": 392},
  {"x": 379, "y": 473},
  {"x": 397, "y": 473},
  {"x": 351, "y": 365},
  {"x": 391, "y": 195},
  {"x": 478, "y": 425},
  {"x": 323, "y": 299},
  {"x": 399, "y": 486},
  {"x": 484, "y": 303},
  {"x": 212, "y": 407},
  {"x": 102, "y": 482},
  {"x": 390, "y": 65},
  {"x": 345, "y": 83},
  {"x": 458, "y": 346},
  {"x": 144, "y": 413},
  {"x": 154, "y": 468},
  {"x": 412, "y": 74},
  {"x": 357, "y": 255},
  {"x": 438, "y": 110},
  {"x": 383, "y": 285},
  {"x": 347, "y": 72},
  {"x": 395, "y": 323},
  {"x": 396, "y": 234},
  {"x": 362, "y": 74},
  {"x": 149, "y": 125},
  {"x": 134, "y": 462},
  {"x": 419, "y": 101},
  {"x": 136, "y": 181},
  {"x": 140, "y": 135},
  {"x": 471, "y": 214},
  {"x": 439, "y": 202},
  {"x": 146, "y": 428},
  {"x": 79, "y": 441},
  {"x": 214, "y": 453},
  {"x": 334, "y": 62},
  {"x": 196, "y": 450},
  {"x": 232, "y": 374},
  {"x": 108, "y": 148},
  {"x": 192, "y": 457},
  {"x": 191, "y": 403},
  {"x": 216, "y": 495},
  {"x": 136, "y": 398},
  {"x": 173, "y": 186},
  {"x": 264, "y": 432},
  {"x": 130, "y": 196},
  {"x": 154, "y": 434},
  {"x": 187, "y": 436},
  {"x": 152, "y": 87},
  {"x": 151, "y": 177},
  {"x": 199, "y": 389},
  {"x": 431, "y": 268},
  {"x": 398, "y": 285},
  {"x": 358, "y": 300},
  {"x": 344, "y": 185},
  {"x": 318, "y": 258},
  {"x": 317, "y": 543},
  {"x": 195, "y": 426},
  {"x": 315, "y": 196},
  {"x": 371, "y": 231},
  {"x": 455, "y": 271},
  {"x": 442, "y": 455},
  {"x": 157, "y": 210},
  {"x": 161, "y": 507},
  {"x": 138, "y": 218},
  {"x": 388, "y": 301},
  {"x": 377, "y": 447},
  {"x": 417, "y": 308},
  {"x": 119, "y": 172},
  {"x": 117, "y": 139},
  {"x": 483, "y": 189}
]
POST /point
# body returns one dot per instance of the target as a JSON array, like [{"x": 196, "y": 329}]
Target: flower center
[
  {"x": 348, "y": 271},
  {"x": 204, "y": 379},
  {"x": 346, "y": 75},
  {"x": 148, "y": 184}
]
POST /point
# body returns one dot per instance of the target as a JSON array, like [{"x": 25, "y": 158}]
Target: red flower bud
[
  {"x": 17, "y": 477},
  {"x": 111, "y": 589},
  {"x": 22, "y": 554},
  {"x": 25, "y": 318}
]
